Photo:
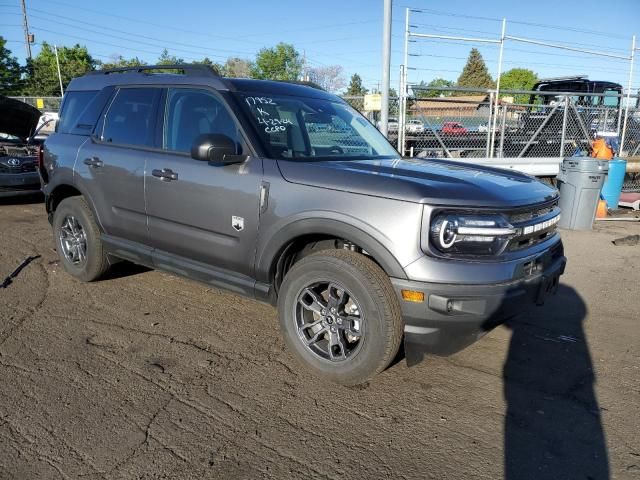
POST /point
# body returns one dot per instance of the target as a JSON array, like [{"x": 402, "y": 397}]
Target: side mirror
[{"x": 216, "y": 149}]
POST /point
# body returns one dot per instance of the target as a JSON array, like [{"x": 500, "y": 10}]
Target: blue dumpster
[{"x": 613, "y": 184}]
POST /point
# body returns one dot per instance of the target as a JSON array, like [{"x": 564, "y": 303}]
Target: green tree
[
  {"x": 118, "y": 61},
  {"x": 166, "y": 59},
  {"x": 237, "y": 67},
  {"x": 10, "y": 71},
  {"x": 475, "y": 72},
  {"x": 42, "y": 71},
  {"x": 207, "y": 61},
  {"x": 281, "y": 62},
  {"x": 355, "y": 88},
  {"x": 421, "y": 92},
  {"x": 518, "y": 79}
]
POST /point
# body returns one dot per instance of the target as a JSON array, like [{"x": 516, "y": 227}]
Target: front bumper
[
  {"x": 453, "y": 316},
  {"x": 13, "y": 184}
]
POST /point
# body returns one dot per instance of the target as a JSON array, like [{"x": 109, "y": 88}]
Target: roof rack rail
[
  {"x": 305, "y": 83},
  {"x": 188, "y": 69},
  {"x": 567, "y": 78}
]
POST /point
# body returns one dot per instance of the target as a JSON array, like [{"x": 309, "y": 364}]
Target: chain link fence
[
  {"x": 45, "y": 104},
  {"x": 459, "y": 124}
]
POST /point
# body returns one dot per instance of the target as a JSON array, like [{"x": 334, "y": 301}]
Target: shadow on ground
[
  {"x": 124, "y": 269},
  {"x": 553, "y": 426},
  {"x": 23, "y": 199}
]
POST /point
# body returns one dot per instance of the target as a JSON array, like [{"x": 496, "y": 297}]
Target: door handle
[
  {"x": 166, "y": 174},
  {"x": 93, "y": 162}
]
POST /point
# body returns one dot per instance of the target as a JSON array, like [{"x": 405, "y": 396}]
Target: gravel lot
[{"x": 145, "y": 375}]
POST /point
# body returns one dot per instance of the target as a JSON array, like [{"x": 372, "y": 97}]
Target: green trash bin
[{"x": 580, "y": 181}]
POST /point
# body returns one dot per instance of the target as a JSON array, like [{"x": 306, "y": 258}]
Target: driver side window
[{"x": 190, "y": 113}]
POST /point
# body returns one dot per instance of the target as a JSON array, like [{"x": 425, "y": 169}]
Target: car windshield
[{"x": 304, "y": 128}]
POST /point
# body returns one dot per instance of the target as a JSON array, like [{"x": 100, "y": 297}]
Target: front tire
[
  {"x": 78, "y": 242},
  {"x": 340, "y": 316}
]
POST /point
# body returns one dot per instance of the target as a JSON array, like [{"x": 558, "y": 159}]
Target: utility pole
[
  {"x": 25, "y": 26},
  {"x": 626, "y": 107},
  {"x": 305, "y": 74},
  {"x": 55, "y": 49},
  {"x": 386, "y": 66},
  {"x": 492, "y": 135}
]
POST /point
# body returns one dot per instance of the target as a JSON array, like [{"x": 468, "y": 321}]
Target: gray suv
[{"x": 284, "y": 193}]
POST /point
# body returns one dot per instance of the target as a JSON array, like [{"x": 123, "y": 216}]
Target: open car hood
[{"x": 17, "y": 118}]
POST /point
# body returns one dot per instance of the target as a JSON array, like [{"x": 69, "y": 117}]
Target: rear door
[
  {"x": 202, "y": 213},
  {"x": 112, "y": 162}
]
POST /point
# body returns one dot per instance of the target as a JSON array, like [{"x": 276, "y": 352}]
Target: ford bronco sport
[{"x": 283, "y": 192}]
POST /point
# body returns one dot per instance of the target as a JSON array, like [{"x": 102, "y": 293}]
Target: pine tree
[
  {"x": 355, "y": 88},
  {"x": 475, "y": 72}
]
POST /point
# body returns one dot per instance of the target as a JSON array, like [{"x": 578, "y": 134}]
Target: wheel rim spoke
[
  {"x": 335, "y": 340},
  {"x": 73, "y": 240},
  {"x": 317, "y": 303},
  {"x": 334, "y": 297},
  {"x": 316, "y": 337},
  {"x": 348, "y": 325},
  {"x": 309, "y": 325},
  {"x": 329, "y": 321}
]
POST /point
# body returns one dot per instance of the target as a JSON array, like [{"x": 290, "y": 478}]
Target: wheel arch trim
[{"x": 267, "y": 255}]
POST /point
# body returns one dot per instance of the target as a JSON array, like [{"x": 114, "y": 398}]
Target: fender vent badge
[{"x": 237, "y": 223}]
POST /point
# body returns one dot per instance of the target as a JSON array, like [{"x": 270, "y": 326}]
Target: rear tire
[
  {"x": 77, "y": 238},
  {"x": 358, "y": 334}
]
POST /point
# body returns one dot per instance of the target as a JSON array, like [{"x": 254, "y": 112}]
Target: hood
[
  {"x": 434, "y": 182},
  {"x": 17, "y": 118}
]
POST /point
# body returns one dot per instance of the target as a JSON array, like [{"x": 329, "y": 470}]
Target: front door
[{"x": 199, "y": 215}]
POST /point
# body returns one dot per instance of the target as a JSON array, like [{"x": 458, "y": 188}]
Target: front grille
[
  {"x": 535, "y": 212},
  {"x": 23, "y": 168},
  {"x": 537, "y": 215}
]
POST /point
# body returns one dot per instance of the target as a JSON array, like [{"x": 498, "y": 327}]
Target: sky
[{"x": 342, "y": 32}]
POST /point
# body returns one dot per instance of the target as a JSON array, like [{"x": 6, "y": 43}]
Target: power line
[
  {"x": 563, "y": 28},
  {"x": 163, "y": 41},
  {"x": 51, "y": 14},
  {"x": 163, "y": 44},
  {"x": 155, "y": 39},
  {"x": 231, "y": 38},
  {"x": 145, "y": 22},
  {"x": 306, "y": 29}
]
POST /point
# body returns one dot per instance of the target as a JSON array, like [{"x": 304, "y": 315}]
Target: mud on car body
[{"x": 284, "y": 193}]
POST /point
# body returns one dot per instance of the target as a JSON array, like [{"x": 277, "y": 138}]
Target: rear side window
[
  {"x": 131, "y": 117},
  {"x": 72, "y": 107}
]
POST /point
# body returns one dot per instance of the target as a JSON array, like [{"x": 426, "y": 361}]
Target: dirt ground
[{"x": 145, "y": 375}]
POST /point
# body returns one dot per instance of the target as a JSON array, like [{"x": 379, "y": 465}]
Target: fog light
[{"x": 412, "y": 296}]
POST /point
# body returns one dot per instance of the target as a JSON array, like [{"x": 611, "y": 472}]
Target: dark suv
[{"x": 284, "y": 193}]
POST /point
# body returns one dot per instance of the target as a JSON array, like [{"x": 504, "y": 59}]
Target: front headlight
[{"x": 468, "y": 234}]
